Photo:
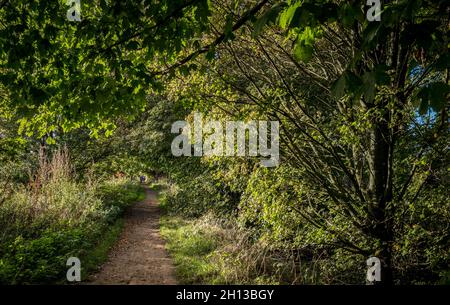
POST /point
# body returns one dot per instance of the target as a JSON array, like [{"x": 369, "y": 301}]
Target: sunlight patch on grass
[{"x": 190, "y": 250}]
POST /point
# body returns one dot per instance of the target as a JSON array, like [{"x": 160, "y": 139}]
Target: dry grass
[
  {"x": 51, "y": 199},
  {"x": 234, "y": 255}
]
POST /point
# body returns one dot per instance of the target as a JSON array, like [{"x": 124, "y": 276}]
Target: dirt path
[{"x": 139, "y": 257}]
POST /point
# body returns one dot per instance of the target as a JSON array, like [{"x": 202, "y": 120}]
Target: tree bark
[{"x": 380, "y": 190}]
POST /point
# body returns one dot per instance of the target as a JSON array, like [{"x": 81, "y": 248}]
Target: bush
[
  {"x": 210, "y": 251},
  {"x": 54, "y": 218}
]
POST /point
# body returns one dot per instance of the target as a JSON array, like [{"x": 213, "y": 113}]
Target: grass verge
[
  {"x": 99, "y": 254},
  {"x": 39, "y": 257},
  {"x": 208, "y": 250},
  {"x": 191, "y": 250}
]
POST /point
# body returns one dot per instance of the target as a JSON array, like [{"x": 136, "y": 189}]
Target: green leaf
[
  {"x": 304, "y": 46},
  {"x": 369, "y": 86},
  {"x": 338, "y": 87},
  {"x": 228, "y": 31},
  {"x": 211, "y": 54},
  {"x": 434, "y": 96},
  {"x": 371, "y": 34},
  {"x": 347, "y": 14},
  {"x": 288, "y": 14},
  {"x": 133, "y": 45},
  {"x": 381, "y": 75},
  {"x": 439, "y": 92},
  {"x": 378, "y": 76},
  {"x": 348, "y": 81},
  {"x": 354, "y": 83},
  {"x": 303, "y": 52},
  {"x": 268, "y": 17}
]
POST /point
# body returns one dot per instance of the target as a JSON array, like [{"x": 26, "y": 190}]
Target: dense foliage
[
  {"x": 54, "y": 218},
  {"x": 363, "y": 108}
]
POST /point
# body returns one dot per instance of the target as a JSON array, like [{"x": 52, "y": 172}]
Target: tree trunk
[{"x": 380, "y": 190}]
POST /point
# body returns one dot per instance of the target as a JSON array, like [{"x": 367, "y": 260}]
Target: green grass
[
  {"x": 204, "y": 252},
  {"x": 42, "y": 258},
  {"x": 122, "y": 196},
  {"x": 158, "y": 187},
  {"x": 99, "y": 254},
  {"x": 190, "y": 250}
]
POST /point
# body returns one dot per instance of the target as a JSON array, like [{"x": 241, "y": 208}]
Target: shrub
[{"x": 54, "y": 217}]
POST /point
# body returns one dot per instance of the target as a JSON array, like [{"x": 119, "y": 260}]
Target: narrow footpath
[{"x": 139, "y": 257}]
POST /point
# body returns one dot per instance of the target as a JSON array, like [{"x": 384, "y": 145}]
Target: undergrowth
[{"x": 55, "y": 217}]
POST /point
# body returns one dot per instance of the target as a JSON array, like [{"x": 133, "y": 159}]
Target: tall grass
[
  {"x": 215, "y": 250},
  {"x": 212, "y": 251},
  {"x": 52, "y": 199},
  {"x": 53, "y": 217}
]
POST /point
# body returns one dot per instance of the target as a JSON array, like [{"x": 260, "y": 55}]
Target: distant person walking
[{"x": 143, "y": 178}]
